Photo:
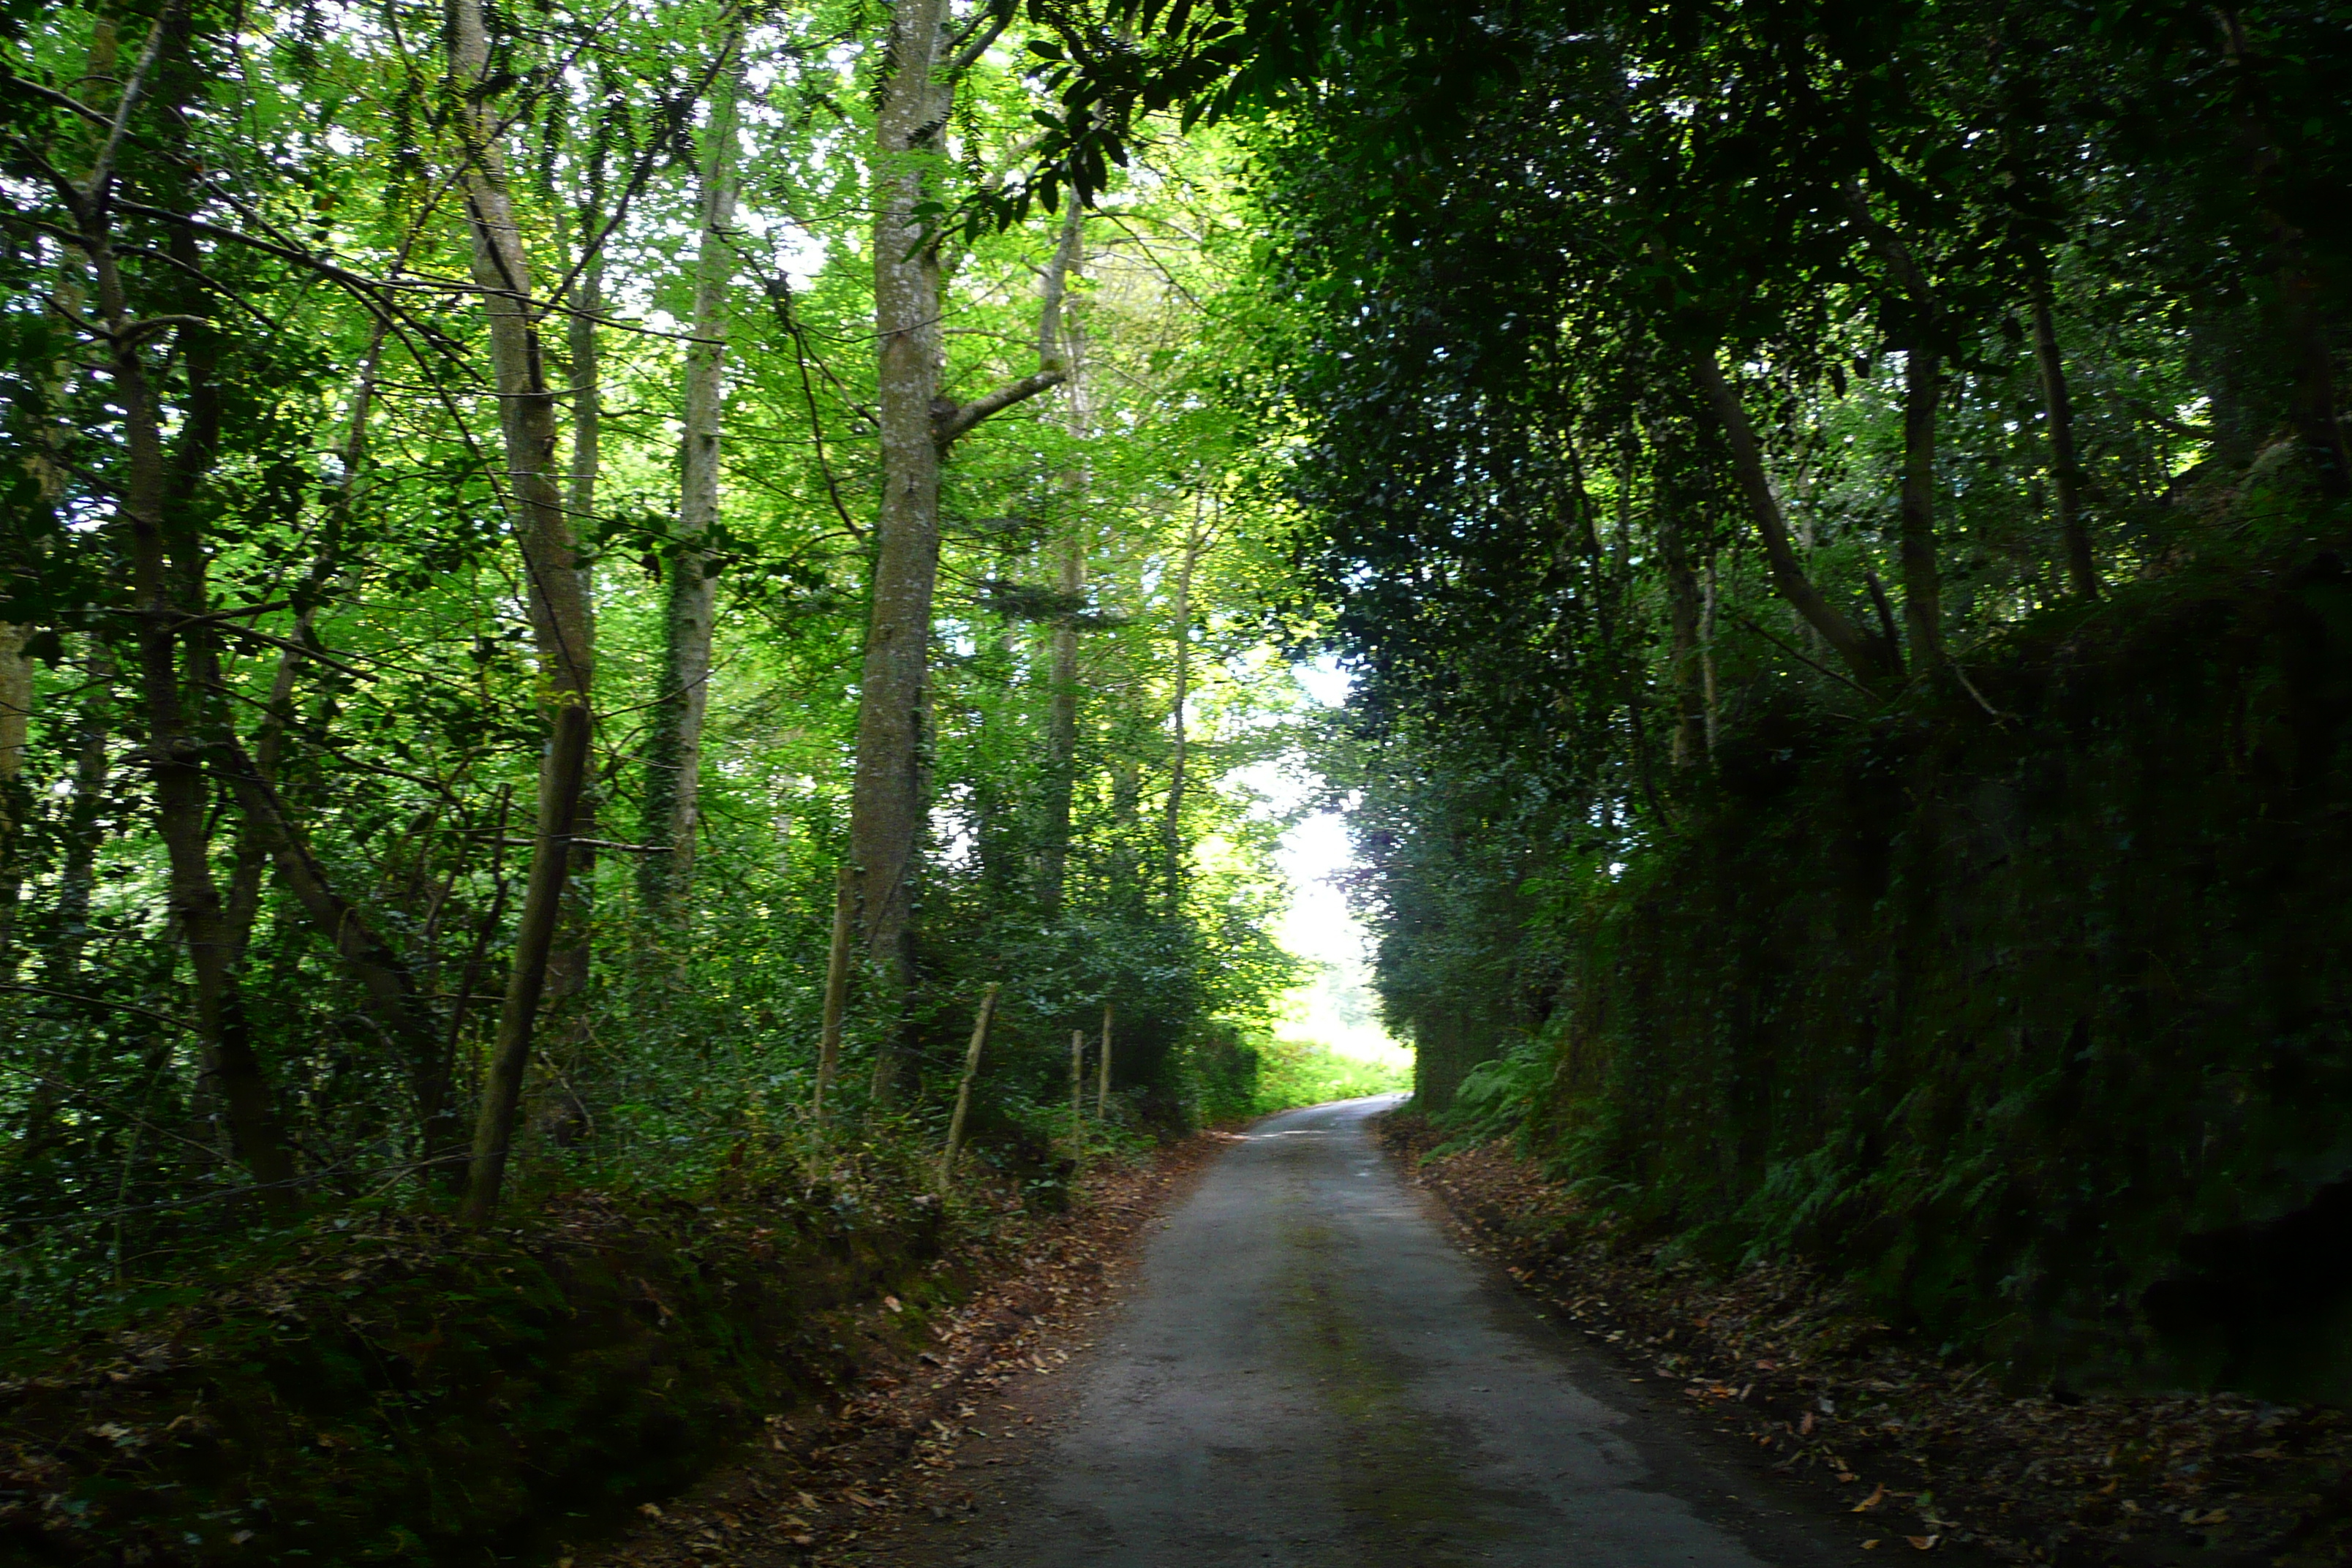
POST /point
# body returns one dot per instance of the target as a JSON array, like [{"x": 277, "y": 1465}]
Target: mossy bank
[
  {"x": 399, "y": 1389},
  {"x": 2023, "y": 1007}
]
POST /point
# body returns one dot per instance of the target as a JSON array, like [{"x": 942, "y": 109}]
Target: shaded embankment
[
  {"x": 402, "y": 1391},
  {"x": 904, "y": 1445},
  {"x": 2035, "y": 1021}
]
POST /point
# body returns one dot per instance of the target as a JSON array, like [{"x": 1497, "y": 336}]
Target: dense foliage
[
  {"x": 1834, "y": 511},
  {"x": 442, "y": 502},
  {"x": 532, "y": 530}
]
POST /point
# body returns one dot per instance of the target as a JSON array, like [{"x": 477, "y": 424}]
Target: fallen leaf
[
  {"x": 1923, "y": 1542},
  {"x": 649, "y": 1510},
  {"x": 1873, "y": 1500},
  {"x": 891, "y": 1302},
  {"x": 1870, "y": 1546},
  {"x": 1805, "y": 1428}
]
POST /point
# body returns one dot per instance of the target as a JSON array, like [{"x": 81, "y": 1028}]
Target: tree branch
[
  {"x": 949, "y": 422},
  {"x": 997, "y": 16},
  {"x": 102, "y": 174},
  {"x": 1860, "y": 652},
  {"x": 18, "y": 83}
]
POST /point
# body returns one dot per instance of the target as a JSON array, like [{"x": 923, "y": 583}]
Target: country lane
[{"x": 1308, "y": 1372}]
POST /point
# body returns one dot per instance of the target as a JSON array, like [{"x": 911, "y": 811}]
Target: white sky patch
[{"x": 1338, "y": 1009}]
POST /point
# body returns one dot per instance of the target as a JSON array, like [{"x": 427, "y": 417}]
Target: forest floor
[
  {"x": 1848, "y": 1410},
  {"x": 930, "y": 1438}
]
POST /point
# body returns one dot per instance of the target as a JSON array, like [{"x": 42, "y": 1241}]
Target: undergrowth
[{"x": 390, "y": 1388}]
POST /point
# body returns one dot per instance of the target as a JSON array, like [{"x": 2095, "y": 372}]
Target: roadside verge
[
  {"x": 911, "y": 1453},
  {"x": 1876, "y": 1421}
]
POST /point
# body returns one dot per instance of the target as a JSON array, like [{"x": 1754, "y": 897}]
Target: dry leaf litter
[
  {"x": 1936, "y": 1450},
  {"x": 920, "y": 1439}
]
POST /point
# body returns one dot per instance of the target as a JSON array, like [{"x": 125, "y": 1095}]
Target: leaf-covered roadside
[
  {"x": 825, "y": 1486},
  {"x": 405, "y": 1390},
  {"x": 1935, "y": 1448}
]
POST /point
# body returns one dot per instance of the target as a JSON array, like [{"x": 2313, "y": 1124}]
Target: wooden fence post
[
  {"x": 1078, "y": 1094},
  {"x": 963, "y": 1090},
  {"x": 836, "y": 987},
  {"x": 1102, "y": 1080}
]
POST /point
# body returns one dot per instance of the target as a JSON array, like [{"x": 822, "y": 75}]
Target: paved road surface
[{"x": 1309, "y": 1373}]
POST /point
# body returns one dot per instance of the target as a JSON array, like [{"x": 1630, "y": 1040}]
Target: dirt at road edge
[
  {"x": 933, "y": 1446},
  {"x": 1842, "y": 1407}
]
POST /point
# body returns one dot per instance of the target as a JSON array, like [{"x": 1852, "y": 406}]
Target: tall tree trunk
[
  {"x": 1861, "y": 654},
  {"x": 1923, "y": 593},
  {"x": 501, "y": 269},
  {"x": 1070, "y": 583},
  {"x": 1179, "y": 737},
  {"x": 2065, "y": 474},
  {"x": 916, "y": 426},
  {"x": 1707, "y": 689},
  {"x": 1061, "y": 725},
  {"x": 1683, "y": 612},
  {"x": 674, "y": 750},
  {"x": 569, "y": 964},
  {"x": 2311, "y": 397},
  {"x": 16, "y": 732},
  {"x": 46, "y": 459},
  {"x": 182, "y": 800},
  {"x": 886, "y": 817},
  {"x": 78, "y": 872}
]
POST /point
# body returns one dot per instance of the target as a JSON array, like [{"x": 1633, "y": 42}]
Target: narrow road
[{"x": 1309, "y": 1373}]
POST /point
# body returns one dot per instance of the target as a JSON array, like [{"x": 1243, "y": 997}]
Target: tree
[
  {"x": 674, "y": 760},
  {"x": 502, "y": 272},
  {"x": 925, "y": 58}
]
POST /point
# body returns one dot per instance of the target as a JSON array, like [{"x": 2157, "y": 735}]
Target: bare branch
[
  {"x": 956, "y": 421},
  {"x": 996, "y": 15},
  {"x": 102, "y": 174},
  {"x": 10, "y": 79}
]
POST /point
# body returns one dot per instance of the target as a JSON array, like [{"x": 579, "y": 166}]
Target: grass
[{"x": 1301, "y": 1072}]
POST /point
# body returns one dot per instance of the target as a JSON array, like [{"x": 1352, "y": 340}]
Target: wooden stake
[
  {"x": 963, "y": 1090},
  {"x": 1078, "y": 1094},
  {"x": 836, "y": 987},
  {"x": 1102, "y": 1080}
]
